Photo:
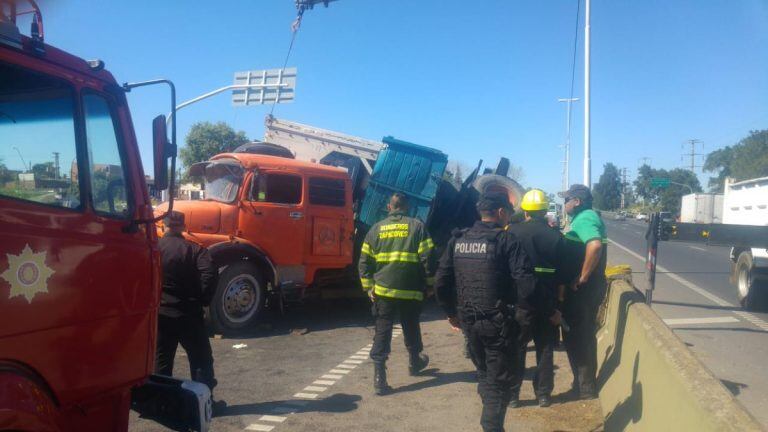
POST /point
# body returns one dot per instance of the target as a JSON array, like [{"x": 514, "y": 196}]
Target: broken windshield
[{"x": 222, "y": 181}]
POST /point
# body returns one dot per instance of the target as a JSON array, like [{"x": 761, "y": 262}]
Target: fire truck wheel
[
  {"x": 239, "y": 297},
  {"x": 752, "y": 292}
]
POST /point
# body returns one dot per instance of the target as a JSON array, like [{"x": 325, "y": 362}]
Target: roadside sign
[
  {"x": 659, "y": 182},
  {"x": 270, "y": 86}
]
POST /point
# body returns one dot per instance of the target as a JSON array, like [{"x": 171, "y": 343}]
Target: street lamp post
[
  {"x": 567, "y": 161},
  {"x": 587, "y": 148}
]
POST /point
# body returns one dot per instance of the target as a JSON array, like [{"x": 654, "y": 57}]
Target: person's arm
[
  {"x": 594, "y": 249},
  {"x": 445, "y": 283},
  {"x": 367, "y": 264},
  {"x": 522, "y": 273},
  {"x": 426, "y": 253},
  {"x": 209, "y": 275}
]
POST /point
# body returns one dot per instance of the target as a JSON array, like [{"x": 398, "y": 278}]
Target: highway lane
[{"x": 698, "y": 303}]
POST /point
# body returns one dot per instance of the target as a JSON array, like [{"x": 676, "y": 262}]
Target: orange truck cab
[
  {"x": 79, "y": 264},
  {"x": 274, "y": 225}
]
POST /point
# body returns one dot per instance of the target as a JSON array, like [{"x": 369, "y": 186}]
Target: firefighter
[
  {"x": 396, "y": 262},
  {"x": 538, "y": 320},
  {"x": 583, "y": 299},
  {"x": 189, "y": 282},
  {"x": 481, "y": 274}
]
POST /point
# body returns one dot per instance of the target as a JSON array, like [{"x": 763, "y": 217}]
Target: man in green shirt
[{"x": 589, "y": 246}]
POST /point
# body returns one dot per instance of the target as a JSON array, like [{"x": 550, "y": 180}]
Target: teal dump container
[{"x": 404, "y": 167}]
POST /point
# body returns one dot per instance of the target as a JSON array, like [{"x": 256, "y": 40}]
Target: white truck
[
  {"x": 746, "y": 203},
  {"x": 702, "y": 208}
]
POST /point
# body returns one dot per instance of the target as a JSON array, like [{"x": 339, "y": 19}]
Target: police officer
[
  {"x": 538, "y": 319},
  {"x": 482, "y": 272},
  {"x": 582, "y": 301},
  {"x": 395, "y": 268},
  {"x": 189, "y": 282}
]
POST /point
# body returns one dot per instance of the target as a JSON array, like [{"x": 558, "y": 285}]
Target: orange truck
[
  {"x": 283, "y": 229},
  {"x": 79, "y": 263}
]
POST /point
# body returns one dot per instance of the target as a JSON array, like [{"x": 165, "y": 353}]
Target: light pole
[
  {"x": 567, "y": 161},
  {"x": 587, "y": 149}
]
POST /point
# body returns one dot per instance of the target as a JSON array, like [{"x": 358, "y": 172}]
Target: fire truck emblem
[{"x": 27, "y": 273}]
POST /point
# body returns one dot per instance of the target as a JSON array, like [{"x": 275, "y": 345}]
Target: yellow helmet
[{"x": 534, "y": 199}]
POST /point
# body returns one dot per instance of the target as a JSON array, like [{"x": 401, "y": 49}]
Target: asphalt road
[
  {"x": 694, "y": 297},
  {"x": 310, "y": 372}
]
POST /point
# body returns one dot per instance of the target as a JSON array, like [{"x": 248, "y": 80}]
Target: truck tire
[
  {"x": 239, "y": 299},
  {"x": 497, "y": 183},
  {"x": 752, "y": 292}
]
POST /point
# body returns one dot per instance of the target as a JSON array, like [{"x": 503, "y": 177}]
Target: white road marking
[
  {"x": 712, "y": 320},
  {"x": 339, "y": 371},
  {"x": 346, "y": 366},
  {"x": 315, "y": 389},
  {"x": 333, "y": 377},
  {"x": 355, "y": 362},
  {"x": 306, "y": 395},
  {"x": 258, "y": 427},
  {"x": 240, "y": 346},
  {"x": 697, "y": 248},
  {"x": 359, "y": 357},
  {"x": 759, "y": 323},
  {"x": 365, "y": 353},
  {"x": 270, "y": 418},
  {"x": 324, "y": 383}
]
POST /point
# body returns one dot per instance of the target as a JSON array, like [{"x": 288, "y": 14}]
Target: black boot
[
  {"x": 417, "y": 363},
  {"x": 544, "y": 401},
  {"x": 380, "y": 386}
]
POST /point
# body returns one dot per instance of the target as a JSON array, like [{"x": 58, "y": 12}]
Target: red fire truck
[{"x": 79, "y": 264}]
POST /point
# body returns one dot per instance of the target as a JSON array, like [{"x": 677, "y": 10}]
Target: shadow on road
[
  {"x": 337, "y": 403},
  {"x": 733, "y": 387},
  {"x": 321, "y": 315},
  {"x": 437, "y": 379}
]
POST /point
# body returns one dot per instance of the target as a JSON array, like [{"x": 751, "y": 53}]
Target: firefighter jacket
[
  {"x": 547, "y": 249},
  {"x": 189, "y": 277},
  {"x": 483, "y": 268},
  {"x": 396, "y": 260}
]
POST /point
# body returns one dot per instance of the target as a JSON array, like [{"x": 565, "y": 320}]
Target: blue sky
[{"x": 477, "y": 80}]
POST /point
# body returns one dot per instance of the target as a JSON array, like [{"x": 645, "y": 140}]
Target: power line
[{"x": 575, "y": 45}]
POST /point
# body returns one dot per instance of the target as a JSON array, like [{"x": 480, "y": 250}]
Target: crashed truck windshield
[{"x": 222, "y": 182}]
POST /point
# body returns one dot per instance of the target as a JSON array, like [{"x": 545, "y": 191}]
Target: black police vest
[{"x": 482, "y": 280}]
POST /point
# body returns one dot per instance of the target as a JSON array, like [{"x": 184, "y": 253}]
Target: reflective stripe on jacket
[{"x": 397, "y": 258}]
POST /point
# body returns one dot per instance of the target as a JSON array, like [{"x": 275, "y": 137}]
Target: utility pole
[
  {"x": 693, "y": 154},
  {"x": 23, "y": 162},
  {"x": 587, "y": 149},
  {"x": 56, "y": 165},
  {"x": 567, "y": 160},
  {"x": 623, "y": 187}
]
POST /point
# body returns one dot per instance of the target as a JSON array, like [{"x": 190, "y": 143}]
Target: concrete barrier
[{"x": 650, "y": 381}]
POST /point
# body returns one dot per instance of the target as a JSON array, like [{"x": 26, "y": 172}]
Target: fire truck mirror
[{"x": 161, "y": 150}]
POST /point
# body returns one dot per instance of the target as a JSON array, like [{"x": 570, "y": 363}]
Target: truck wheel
[
  {"x": 497, "y": 183},
  {"x": 751, "y": 294},
  {"x": 239, "y": 297}
]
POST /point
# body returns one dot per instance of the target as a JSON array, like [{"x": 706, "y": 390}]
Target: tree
[
  {"x": 745, "y": 160},
  {"x": 642, "y": 183},
  {"x": 207, "y": 139},
  {"x": 671, "y": 196},
  {"x": 44, "y": 170},
  {"x": 607, "y": 191},
  {"x": 5, "y": 174},
  {"x": 667, "y": 198},
  {"x": 516, "y": 173}
]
